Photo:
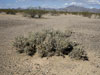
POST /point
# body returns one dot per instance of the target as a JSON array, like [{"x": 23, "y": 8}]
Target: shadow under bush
[{"x": 49, "y": 43}]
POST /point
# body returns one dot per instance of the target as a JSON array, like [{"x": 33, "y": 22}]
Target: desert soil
[{"x": 85, "y": 31}]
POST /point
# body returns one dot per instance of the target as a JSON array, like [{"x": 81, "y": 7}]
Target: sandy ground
[{"x": 85, "y": 31}]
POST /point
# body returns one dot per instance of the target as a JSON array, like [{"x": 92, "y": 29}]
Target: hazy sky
[{"x": 48, "y": 3}]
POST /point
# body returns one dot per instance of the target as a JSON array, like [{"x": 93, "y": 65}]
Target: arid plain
[{"x": 85, "y": 31}]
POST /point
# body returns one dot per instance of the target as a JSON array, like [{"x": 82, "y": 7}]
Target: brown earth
[{"x": 85, "y": 31}]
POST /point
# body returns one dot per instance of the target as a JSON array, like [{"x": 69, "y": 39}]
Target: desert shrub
[
  {"x": 98, "y": 15},
  {"x": 10, "y": 11},
  {"x": 20, "y": 43},
  {"x": 55, "y": 13},
  {"x": 31, "y": 12},
  {"x": 78, "y": 53},
  {"x": 86, "y": 14},
  {"x": 74, "y": 13},
  {"x": 23, "y": 45},
  {"x": 49, "y": 43},
  {"x": 40, "y": 13}
]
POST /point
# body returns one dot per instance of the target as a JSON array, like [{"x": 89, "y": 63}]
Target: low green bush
[
  {"x": 40, "y": 13},
  {"x": 35, "y": 13},
  {"x": 31, "y": 13},
  {"x": 49, "y": 43},
  {"x": 55, "y": 13},
  {"x": 12, "y": 12}
]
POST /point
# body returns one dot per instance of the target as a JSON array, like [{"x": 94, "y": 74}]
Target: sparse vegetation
[
  {"x": 35, "y": 13},
  {"x": 38, "y": 13},
  {"x": 13, "y": 12},
  {"x": 86, "y": 14},
  {"x": 9, "y": 11},
  {"x": 31, "y": 13},
  {"x": 55, "y": 13},
  {"x": 49, "y": 43}
]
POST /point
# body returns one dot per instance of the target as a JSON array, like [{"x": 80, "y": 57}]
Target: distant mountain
[{"x": 74, "y": 8}]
